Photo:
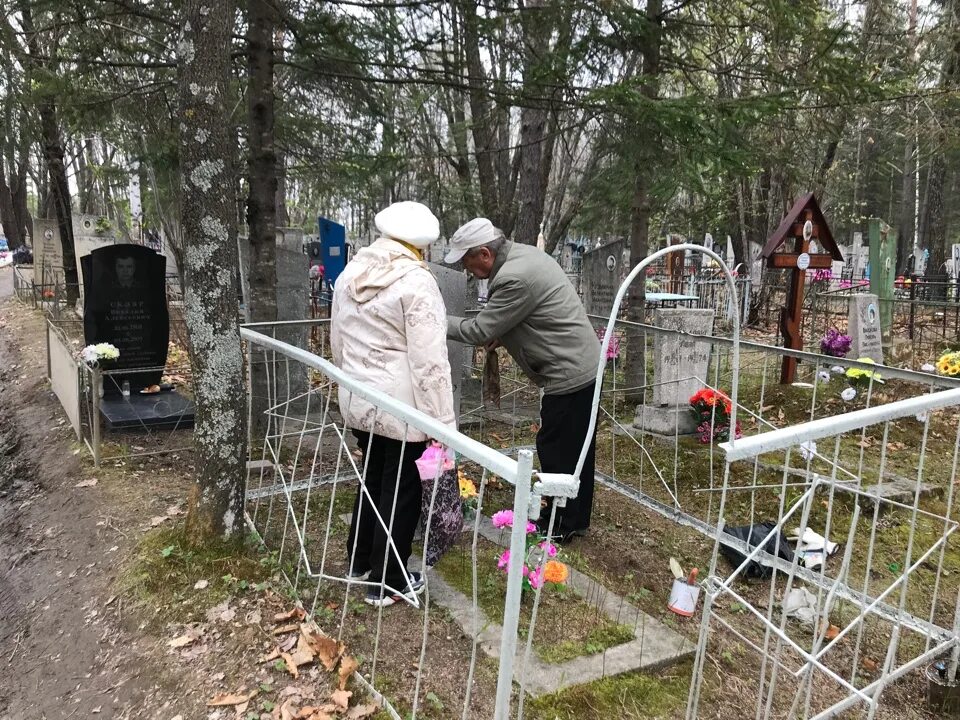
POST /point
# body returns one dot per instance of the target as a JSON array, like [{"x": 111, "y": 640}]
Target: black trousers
[
  {"x": 390, "y": 470},
  {"x": 564, "y": 420}
]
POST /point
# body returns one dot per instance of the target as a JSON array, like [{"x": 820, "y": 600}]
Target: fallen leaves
[
  {"x": 87, "y": 483},
  {"x": 229, "y": 699}
]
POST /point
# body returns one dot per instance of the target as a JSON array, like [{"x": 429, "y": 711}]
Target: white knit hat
[
  {"x": 475, "y": 233},
  {"x": 408, "y": 221}
]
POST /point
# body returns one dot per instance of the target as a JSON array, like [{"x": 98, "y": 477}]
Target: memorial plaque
[
  {"x": 603, "y": 270},
  {"x": 680, "y": 363},
  {"x": 126, "y": 305},
  {"x": 863, "y": 326}
]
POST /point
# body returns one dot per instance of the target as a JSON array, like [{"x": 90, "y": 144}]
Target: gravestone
[
  {"x": 680, "y": 365},
  {"x": 600, "y": 277},
  {"x": 126, "y": 306},
  {"x": 883, "y": 260},
  {"x": 863, "y": 326},
  {"x": 457, "y": 298},
  {"x": 47, "y": 250}
]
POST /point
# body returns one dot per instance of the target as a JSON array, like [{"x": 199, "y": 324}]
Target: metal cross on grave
[{"x": 790, "y": 248}]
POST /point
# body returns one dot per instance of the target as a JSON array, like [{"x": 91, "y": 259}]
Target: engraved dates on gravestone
[
  {"x": 126, "y": 305},
  {"x": 863, "y": 325},
  {"x": 680, "y": 363}
]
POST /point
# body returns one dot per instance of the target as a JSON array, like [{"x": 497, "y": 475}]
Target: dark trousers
[
  {"x": 385, "y": 459},
  {"x": 563, "y": 427}
]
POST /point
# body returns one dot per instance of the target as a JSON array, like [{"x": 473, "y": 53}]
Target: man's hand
[{"x": 493, "y": 344}]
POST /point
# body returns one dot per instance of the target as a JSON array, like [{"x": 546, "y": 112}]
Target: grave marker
[
  {"x": 789, "y": 248},
  {"x": 883, "y": 260},
  {"x": 601, "y": 276},
  {"x": 864, "y": 327},
  {"x": 126, "y": 305},
  {"x": 680, "y": 364},
  {"x": 457, "y": 299}
]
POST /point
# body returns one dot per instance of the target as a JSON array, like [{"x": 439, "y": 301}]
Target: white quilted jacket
[{"x": 388, "y": 330}]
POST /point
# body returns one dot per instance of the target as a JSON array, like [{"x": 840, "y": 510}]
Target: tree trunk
[
  {"x": 53, "y": 157},
  {"x": 59, "y": 194},
  {"x": 640, "y": 208},
  {"x": 531, "y": 191},
  {"x": 208, "y": 218},
  {"x": 481, "y": 114},
  {"x": 263, "y": 192},
  {"x": 8, "y": 216}
]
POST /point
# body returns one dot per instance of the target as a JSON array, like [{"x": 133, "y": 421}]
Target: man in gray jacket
[{"x": 534, "y": 312}]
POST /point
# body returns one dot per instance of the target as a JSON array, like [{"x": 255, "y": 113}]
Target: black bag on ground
[{"x": 754, "y": 535}]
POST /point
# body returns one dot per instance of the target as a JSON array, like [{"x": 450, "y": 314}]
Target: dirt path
[{"x": 64, "y": 649}]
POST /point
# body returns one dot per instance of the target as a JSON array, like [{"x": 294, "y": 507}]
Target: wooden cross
[{"x": 803, "y": 223}]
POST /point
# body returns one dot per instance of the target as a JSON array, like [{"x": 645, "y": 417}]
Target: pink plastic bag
[{"x": 434, "y": 461}]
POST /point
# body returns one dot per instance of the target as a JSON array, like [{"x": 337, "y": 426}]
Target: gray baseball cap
[{"x": 475, "y": 233}]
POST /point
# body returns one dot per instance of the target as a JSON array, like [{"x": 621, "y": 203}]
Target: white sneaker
[{"x": 417, "y": 586}]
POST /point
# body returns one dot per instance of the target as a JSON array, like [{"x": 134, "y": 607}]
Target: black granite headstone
[{"x": 125, "y": 304}]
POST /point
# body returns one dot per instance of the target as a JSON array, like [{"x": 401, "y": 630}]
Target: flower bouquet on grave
[
  {"x": 949, "y": 364},
  {"x": 835, "y": 343},
  {"x": 539, "y": 562},
  {"x": 860, "y": 378},
  {"x": 98, "y": 355},
  {"x": 713, "y": 409},
  {"x": 822, "y": 277},
  {"x": 613, "y": 349}
]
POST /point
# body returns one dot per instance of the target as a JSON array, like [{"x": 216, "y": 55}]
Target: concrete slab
[{"x": 654, "y": 645}]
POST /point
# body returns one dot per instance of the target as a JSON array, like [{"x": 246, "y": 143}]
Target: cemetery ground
[{"x": 106, "y": 611}]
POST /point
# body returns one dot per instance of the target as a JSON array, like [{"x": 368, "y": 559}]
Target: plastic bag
[
  {"x": 753, "y": 535},
  {"x": 446, "y": 522}
]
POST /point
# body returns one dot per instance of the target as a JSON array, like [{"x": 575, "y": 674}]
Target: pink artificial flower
[
  {"x": 503, "y": 518},
  {"x": 525, "y": 571},
  {"x": 549, "y": 548},
  {"x": 531, "y": 527},
  {"x": 504, "y": 561},
  {"x": 535, "y": 578}
]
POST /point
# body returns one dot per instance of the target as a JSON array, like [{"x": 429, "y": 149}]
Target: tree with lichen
[{"x": 209, "y": 225}]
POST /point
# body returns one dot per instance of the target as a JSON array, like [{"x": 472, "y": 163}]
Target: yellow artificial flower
[{"x": 467, "y": 488}]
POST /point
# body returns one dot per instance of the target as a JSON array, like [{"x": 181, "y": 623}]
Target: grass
[
  {"x": 629, "y": 697},
  {"x": 567, "y": 625},
  {"x": 163, "y": 570}
]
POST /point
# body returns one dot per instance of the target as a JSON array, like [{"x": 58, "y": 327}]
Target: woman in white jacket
[{"x": 388, "y": 330}]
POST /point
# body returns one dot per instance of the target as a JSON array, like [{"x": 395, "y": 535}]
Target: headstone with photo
[
  {"x": 602, "y": 272},
  {"x": 680, "y": 366},
  {"x": 863, "y": 326},
  {"x": 48, "y": 250},
  {"x": 126, "y": 306}
]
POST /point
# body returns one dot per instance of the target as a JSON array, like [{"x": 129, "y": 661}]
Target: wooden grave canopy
[{"x": 791, "y": 228}]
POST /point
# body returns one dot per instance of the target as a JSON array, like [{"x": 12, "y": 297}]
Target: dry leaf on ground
[
  {"x": 288, "y": 711},
  {"x": 86, "y": 483},
  {"x": 358, "y": 712},
  {"x": 182, "y": 641},
  {"x": 341, "y": 698},
  {"x": 291, "y": 665},
  {"x": 348, "y": 665},
  {"x": 272, "y": 655},
  {"x": 283, "y": 629},
  {"x": 227, "y": 699},
  {"x": 326, "y": 648},
  {"x": 295, "y": 614}
]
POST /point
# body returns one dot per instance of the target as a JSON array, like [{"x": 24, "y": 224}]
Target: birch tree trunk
[{"x": 208, "y": 219}]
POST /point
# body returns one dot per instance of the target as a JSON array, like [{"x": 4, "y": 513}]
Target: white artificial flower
[
  {"x": 808, "y": 449},
  {"x": 922, "y": 416},
  {"x": 823, "y": 376},
  {"x": 848, "y": 394},
  {"x": 927, "y": 368},
  {"x": 837, "y": 370}
]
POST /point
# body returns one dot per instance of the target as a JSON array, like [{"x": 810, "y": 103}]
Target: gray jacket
[{"x": 534, "y": 311}]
